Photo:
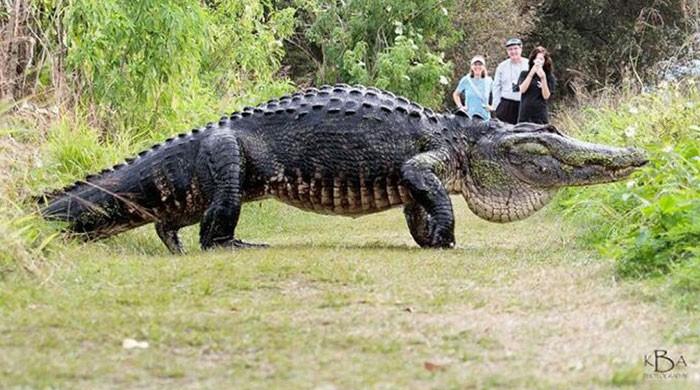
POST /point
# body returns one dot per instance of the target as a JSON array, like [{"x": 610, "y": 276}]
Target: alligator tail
[{"x": 96, "y": 207}]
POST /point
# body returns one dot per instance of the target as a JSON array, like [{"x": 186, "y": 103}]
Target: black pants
[{"x": 508, "y": 110}]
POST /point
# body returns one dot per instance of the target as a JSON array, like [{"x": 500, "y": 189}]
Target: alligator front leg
[
  {"x": 417, "y": 219},
  {"x": 222, "y": 158},
  {"x": 430, "y": 218}
]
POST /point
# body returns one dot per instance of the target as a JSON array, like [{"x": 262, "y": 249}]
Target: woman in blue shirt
[{"x": 476, "y": 88}]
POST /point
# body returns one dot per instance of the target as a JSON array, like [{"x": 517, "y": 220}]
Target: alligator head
[{"x": 513, "y": 171}]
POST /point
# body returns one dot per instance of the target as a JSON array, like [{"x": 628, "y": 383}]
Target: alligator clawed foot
[
  {"x": 440, "y": 237},
  {"x": 235, "y": 243}
]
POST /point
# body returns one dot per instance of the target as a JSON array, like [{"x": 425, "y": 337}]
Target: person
[
  {"x": 536, "y": 87},
  {"x": 506, "y": 95},
  {"x": 476, "y": 88}
]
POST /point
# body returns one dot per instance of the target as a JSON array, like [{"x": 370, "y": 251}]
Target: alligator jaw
[
  {"x": 515, "y": 170},
  {"x": 552, "y": 160}
]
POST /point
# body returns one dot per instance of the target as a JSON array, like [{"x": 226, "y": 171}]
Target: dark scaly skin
[{"x": 336, "y": 150}]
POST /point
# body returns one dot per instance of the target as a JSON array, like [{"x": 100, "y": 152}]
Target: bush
[
  {"x": 651, "y": 224},
  {"x": 158, "y": 66},
  {"x": 600, "y": 43},
  {"x": 396, "y": 45}
]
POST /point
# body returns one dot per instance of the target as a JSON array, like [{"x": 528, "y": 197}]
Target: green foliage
[
  {"x": 24, "y": 237},
  {"x": 135, "y": 58},
  {"x": 246, "y": 49},
  {"x": 157, "y": 66},
  {"x": 73, "y": 149},
  {"x": 599, "y": 42},
  {"x": 402, "y": 68},
  {"x": 383, "y": 43},
  {"x": 651, "y": 224}
]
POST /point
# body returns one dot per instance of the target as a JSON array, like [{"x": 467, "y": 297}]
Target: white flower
[
  {"x": 630, "y": 131},
  {"x": 630, "y": 184},
  {"x": 444, "y": 11},
  {"x": 398, "y": 28},
  {"x": 668, "y": 148},
  {"x": 444, "y": 80},
  {"x": 633, "y": 110}
]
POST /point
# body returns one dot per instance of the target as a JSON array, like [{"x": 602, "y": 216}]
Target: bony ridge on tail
[{"x": 342, "y": 150}]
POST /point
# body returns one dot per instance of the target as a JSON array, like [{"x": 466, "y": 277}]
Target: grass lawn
[{"x": 340, "y": 303}]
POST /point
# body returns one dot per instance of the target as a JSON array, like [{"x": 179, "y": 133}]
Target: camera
[{"x": 515, "y": 87}]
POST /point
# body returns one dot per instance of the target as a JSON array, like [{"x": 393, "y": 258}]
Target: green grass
[
  {"x": 335, "y": 302},
  {"x": 650, "y": 224}
]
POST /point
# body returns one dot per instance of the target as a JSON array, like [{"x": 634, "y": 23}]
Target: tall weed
[{"x": 651, "y": 224}]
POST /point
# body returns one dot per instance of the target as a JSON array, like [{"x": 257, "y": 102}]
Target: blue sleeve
[{"x": 462, "y": 84}]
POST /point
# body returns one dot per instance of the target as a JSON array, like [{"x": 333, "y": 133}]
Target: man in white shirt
[{"x": 506, "y": 94}]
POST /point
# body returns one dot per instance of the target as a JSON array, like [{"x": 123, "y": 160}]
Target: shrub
[
  {"x": 395, "y": 45},
  {"x": 157, "y": 66},
  {"x": 651, "y": 224}
]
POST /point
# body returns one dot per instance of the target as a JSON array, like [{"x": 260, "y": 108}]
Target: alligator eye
[{"x": 533, "y": 148}]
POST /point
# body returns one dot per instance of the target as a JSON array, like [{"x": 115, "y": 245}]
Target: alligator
[{"x": 341, "y": 150}]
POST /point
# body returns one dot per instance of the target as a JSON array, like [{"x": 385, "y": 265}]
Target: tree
[
  {"x": 599, "y": 42},
  {"x": 397, "y": 45}
]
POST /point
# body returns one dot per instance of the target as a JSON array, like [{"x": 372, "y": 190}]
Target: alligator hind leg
[
  {"x": 222, "y": 159},
  {"x": 168, "y": 235},
  {"x": 431, "y": 220}
]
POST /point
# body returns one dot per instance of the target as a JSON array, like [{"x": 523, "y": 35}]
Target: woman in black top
[{"x": 536, "y": 87}]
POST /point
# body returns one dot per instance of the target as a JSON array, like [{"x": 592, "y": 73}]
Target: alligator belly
[{"x": 340, "y": 196}]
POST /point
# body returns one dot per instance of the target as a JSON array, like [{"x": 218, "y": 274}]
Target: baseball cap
[
  {"x": 478, "y": 59},
  {"x": 514, "y": 41}
]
